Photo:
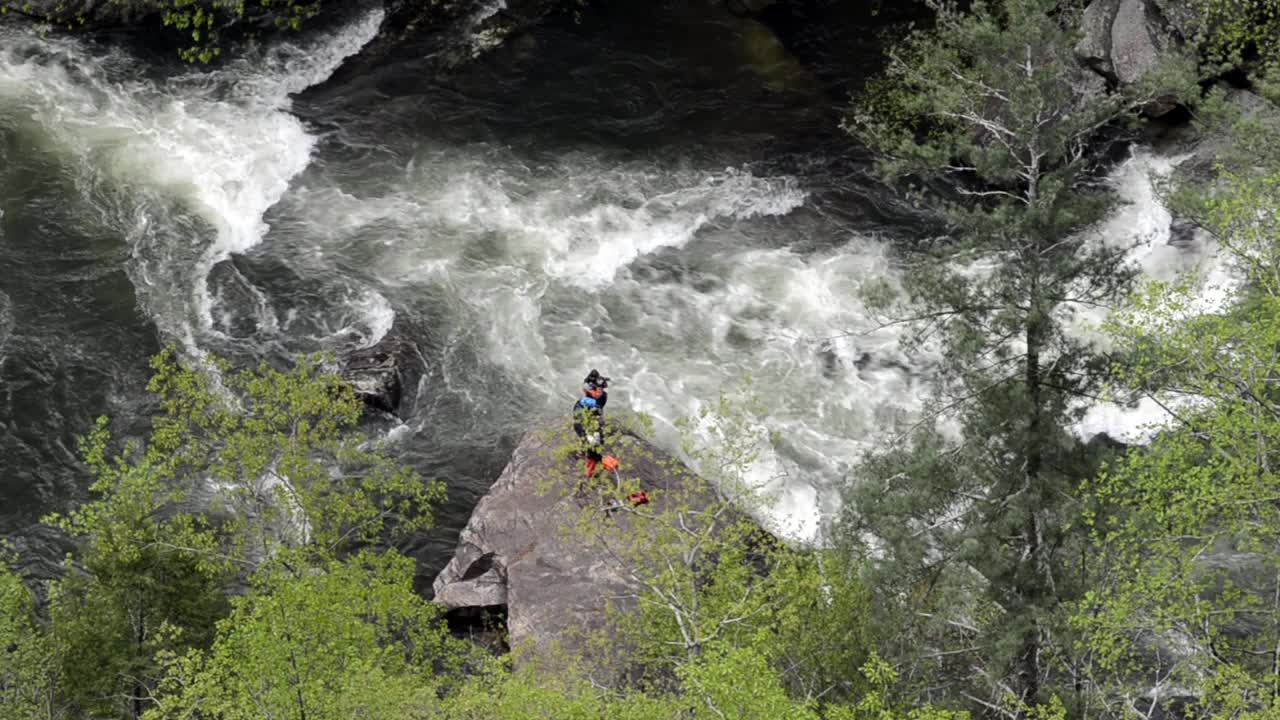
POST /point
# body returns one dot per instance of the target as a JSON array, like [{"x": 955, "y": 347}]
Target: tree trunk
[{"x": 1029, "y": 660}]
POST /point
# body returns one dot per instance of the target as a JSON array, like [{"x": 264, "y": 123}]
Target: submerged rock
[
  {"x": 518, "y": 551},
  {"x": 381, "y": 373}
]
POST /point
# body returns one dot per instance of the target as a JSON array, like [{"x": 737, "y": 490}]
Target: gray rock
[
  {"x": 1089, "y": 84},
  {"x": 380, "y": 374},
  {"x": 1182, "y": 233},
  {"x": 1255, "y": 108},
  {"x": 1134, "y": 47},
  {"x": 1094, "y": 48},
  {"x": 1179, "y": 16},
  {"x": 517, "y": 550},
  {"x": 1123, "y": 41}
]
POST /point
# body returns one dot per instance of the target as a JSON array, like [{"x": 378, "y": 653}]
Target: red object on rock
[{"x": 639, "y": 497}]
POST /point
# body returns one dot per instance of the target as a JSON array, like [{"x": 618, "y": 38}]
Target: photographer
[{"x": 596, "y": 386}]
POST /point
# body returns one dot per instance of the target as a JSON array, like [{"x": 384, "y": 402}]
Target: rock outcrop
[
  {"x": 1135, "y": 48},
  {"x": 1123, "y": 41},
  {"x": 518, "y": 550},
  {"x": 1180, "y": 17},
  {"x": 1094, "y": 48}
]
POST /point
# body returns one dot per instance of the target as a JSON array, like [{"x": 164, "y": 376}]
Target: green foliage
[
  {"x": 143, "y": 581},
  {"x": 530, "y": 693},
  {"x": 993, "y": 94},
  {"x": 204, "y": 20},
  {"x": 723, "y": 614},
  {"x": 276, "y": 449},
  {"x": 112, "y": 617},
  {"x": 344, "y": 640},
  {"x": 974, "y": 544},
  {"x": 1228, "y": 31},
  {"x": 874, "y": 705},
  {"x": 199, "y": 22},
  {"x": 739, "y": 683},
  {"x": 254, "y": 474},
  {"x": 1189, "y": 527},
  {"x": 25, "y": 670},
  {"x": 725, "y": 682}
]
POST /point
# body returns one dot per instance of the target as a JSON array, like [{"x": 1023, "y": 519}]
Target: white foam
[
  {"x": 6, "y": 322},
  {"x": 595, "y": 221},
  {"x": 373, "y": 317},
  {"x": 488, "y": 11},
  {"x": 596, "y": 244},
  {"x": 563, "y": 287},
  {"x": 1131, "y": 425},
  {"x": 377, "y": 314},
  {"x": 222, "y": 143},
  {"x": 796, "y": 324},
  {"x": 1142, "y": 224}
]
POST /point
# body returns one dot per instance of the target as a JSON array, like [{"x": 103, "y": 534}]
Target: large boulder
[
  {"x": 1124, "y": 41},
  {"x": 518, "y": 550},
  {"x": 1094, "y": 47},
  {"x": 1135, "y": 44}
]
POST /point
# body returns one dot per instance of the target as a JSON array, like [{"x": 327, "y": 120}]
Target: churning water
[{"x": 647, "y": 204}]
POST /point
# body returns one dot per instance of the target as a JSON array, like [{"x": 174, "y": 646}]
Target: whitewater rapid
[
  {"x": 520, "y": 270},
  {"x": 201, "y": 155},
  {"x": 1143, "y": 226}
]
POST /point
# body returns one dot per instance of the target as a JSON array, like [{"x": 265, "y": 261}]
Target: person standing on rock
[{"x": 588, "y": 424}]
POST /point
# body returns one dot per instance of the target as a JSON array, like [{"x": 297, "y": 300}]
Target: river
[{"x": 638, "y": 193}]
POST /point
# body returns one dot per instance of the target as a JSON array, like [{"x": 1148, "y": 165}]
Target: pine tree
[{"x": 971, "y": 534}]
